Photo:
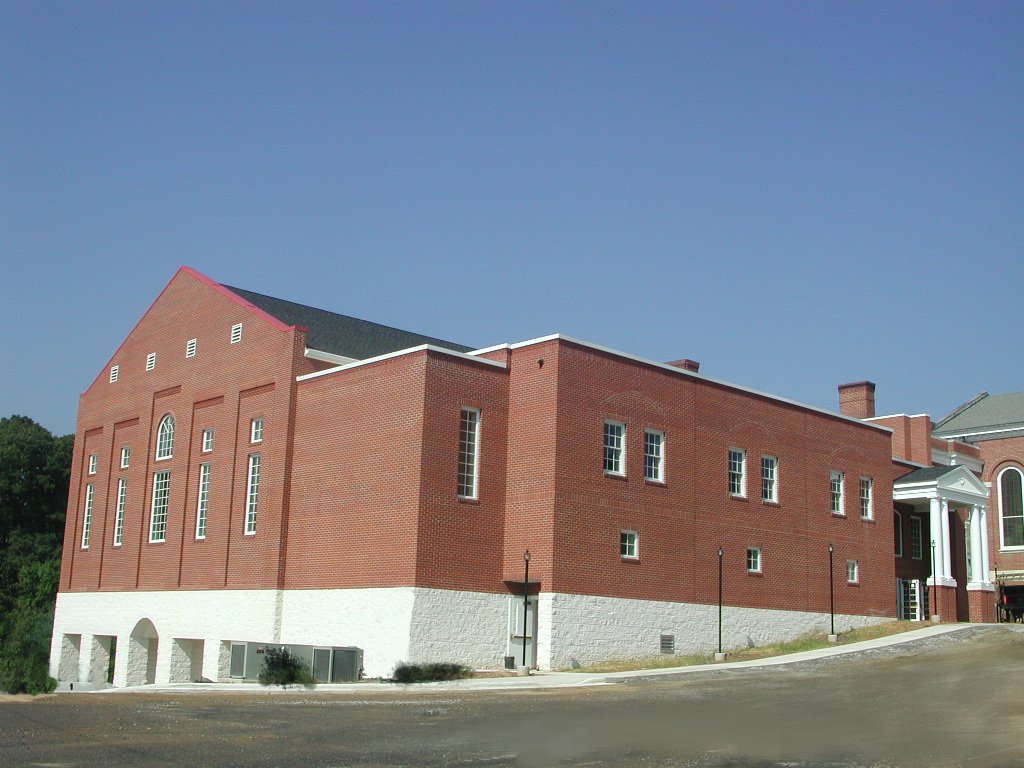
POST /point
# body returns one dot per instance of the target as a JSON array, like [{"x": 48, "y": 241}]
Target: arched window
[
  {"x": 165, "y": 438},
  {"x": 1011, "y": 508}
]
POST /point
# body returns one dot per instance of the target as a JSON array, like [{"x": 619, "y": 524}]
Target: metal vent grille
[{"x": 668, "y": 643}]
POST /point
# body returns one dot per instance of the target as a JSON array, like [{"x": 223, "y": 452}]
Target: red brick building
[{"x": 250, "y": 471}]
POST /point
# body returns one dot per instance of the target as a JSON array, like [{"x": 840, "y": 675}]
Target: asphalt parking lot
[{"x": 955, "y": 699}]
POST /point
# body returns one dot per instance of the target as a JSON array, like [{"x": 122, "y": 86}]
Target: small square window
[
  {"x": 93, "y": 463},
  {"x": 151, "y": 361},
  {"x": 628, "y": 545},
  {"x": 190, "y": 348},
  {"x": 126, "y": 456},
  {"x": 114, "y": 373},
  {"x": 207, "y": 440},
  {"x": 852, "y": 572},
  {"x": 236, "y": 333},
  {"x": 256, "y": 430},
  {"x": 753, "y": 560}
]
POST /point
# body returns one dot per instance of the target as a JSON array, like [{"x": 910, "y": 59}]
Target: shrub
[
  {"x": 425, "y": 673},
  {"x": 282, "y": 667}
]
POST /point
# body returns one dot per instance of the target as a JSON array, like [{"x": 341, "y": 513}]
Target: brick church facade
[{"x": 249, "y": 471}]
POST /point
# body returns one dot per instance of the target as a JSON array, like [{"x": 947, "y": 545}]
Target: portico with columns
[{"x": 955, "y": 503}]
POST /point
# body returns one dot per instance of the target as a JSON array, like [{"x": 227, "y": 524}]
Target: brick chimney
[
  {"x": 857, "y": 400},
  {"x": 686, "y": 364}
]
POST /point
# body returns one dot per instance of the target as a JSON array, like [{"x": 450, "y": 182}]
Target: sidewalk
[{"x": 541, "y": 680}]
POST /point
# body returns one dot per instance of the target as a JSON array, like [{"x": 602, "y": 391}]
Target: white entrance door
[{"x": 522, "y": 628}]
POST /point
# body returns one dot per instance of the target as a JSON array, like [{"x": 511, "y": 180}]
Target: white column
[
  {"x": 935, "y": 532},
  {"x": 977, "y": 574},
  {"x": 947, "y": 563},
  {"x": 983, "y": 525}
]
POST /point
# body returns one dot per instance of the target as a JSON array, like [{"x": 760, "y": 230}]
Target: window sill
[
  {"x": 758, "y": 574},
  {"x": 853, "y": 583},
  {"x": 615, "y": 475},
  {"x": 1011, "y": 549},
  {"x": 473, "y": 501},
  {"x": 838, "y": 514},
  {"x": 628, "y": 559},
  {"x": 770, "y": 503},
  {"x": 655, "y": 483},
  {"x": 738, "y": 497},
  {"x": 868, "y": 520}
]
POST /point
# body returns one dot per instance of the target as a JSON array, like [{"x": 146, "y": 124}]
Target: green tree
[{"x": 34, "y": 476}]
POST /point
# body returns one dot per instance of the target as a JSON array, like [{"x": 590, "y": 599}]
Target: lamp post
[
  {"x": 526, "y": 599},
  {"x": 935, "y": 583},
  {"x": 831, "y": 596},
  {"x": 719, "y": 601}
]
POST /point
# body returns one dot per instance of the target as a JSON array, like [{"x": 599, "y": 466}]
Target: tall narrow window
[
  {"x": 835, "y": 492},
  {"x": 252, "y": 494},
  {"x": 769, "y": 478},
  {"x": 126, "y": 456},
  {"x": 204, "y": 499},
  {"x": 207, "y": 440},
  {"x": 122, "y": 492},
  {"x": 916, "y": 538},
  {"x": 614, "y": 448},
  {"x": 897, "y": 533},
  {"x": 87, "y": 518},
  {"x": 190, "y": 348},
  {"x": 256, "y": 430},
  {"x": 628, "y": 545},
  {"x": 866, "y": 501},
  {"x": 852, "y": 572},
  {"x": 469, "y": 452},
  {"x": 753, "y": 560},
  {"x": 236, "y": 333},
  {"x": 654, "y": 455},
  {"x": 93, "y": 463},
  {"x": 165, "y": 438},
  {"x": 158, "y": 512},
  {"x": 151, "y": 361},
  {"x": 737, "y": 472},
  {"x": 1011, "y": 508}
]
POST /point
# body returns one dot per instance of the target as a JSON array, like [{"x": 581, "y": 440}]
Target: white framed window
[
  {"x": 115, "y": 372},
  {"x": 654, "y": 455},
  {"x": 469, "y": 452},
  {"x": 835, "y": 492},
  {"x": 165, "y": 438},
  {"x": 769, "y": 478},
  {"x": 252, "y": 494},
  {"x": 204, "y": 500},
  {"x": 753, "y": 560},
  {"x": 208, "y": 440},
  {"x": 93, "y": 463},
  {"x": 628, "y": 545},
  {"x": 190, "y": 348},
  {"x": 236, "y": 333},
  {"x": 897, "y": 533},
  {"x": 122, "y": 493},
  {"x": 256, "y": 430},
  {"x": 87, "y": 517},
  {"x": 1011, "y": 509},
  {"x": 614, "y": 448},
  {"x": 126, "y": 456},
  {"x": 852, "y": 572},
  {"x": 151, "y": 361},
  {"x": 737, "y": 472},
  {"x": 866, "y": 498},
  {"x": 158, "y": 510},
  {"x": 916, "y": 538}
]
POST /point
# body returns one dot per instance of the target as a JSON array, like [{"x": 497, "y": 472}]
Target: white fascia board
[
  {"x": 327, "y": 357},
  {"x": 980, "y": 433},
  {"x": 402, "y": 353},
  {"x": 485, "y": 350},
  {"x": 900, "y": 415},
  {"x": 684, "y": 372},
  {"x": 954, "y": 459}
]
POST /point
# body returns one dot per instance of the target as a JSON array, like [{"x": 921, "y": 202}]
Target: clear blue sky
[{"x": 795, "y": 194}]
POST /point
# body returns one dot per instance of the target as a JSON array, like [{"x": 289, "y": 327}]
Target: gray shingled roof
[
  {"x": 984, "y": 412},
  {"x": 341, "y": 334},
  {"x": 925, "y": 475}
]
